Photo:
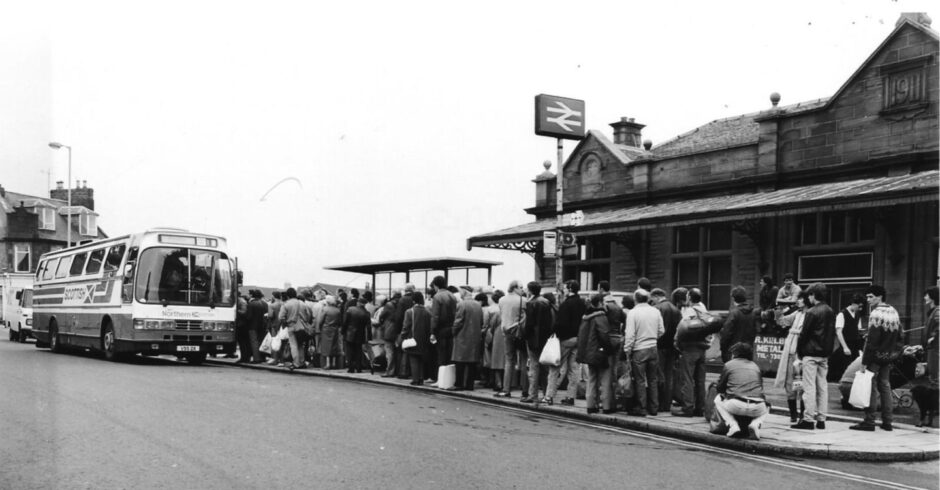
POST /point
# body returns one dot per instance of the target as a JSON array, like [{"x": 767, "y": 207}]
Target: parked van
[{"x": 16, "y": 291}]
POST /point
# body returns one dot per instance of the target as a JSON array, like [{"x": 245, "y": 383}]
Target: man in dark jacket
[
  {"x": 538, "y": 328},
  {"x": 356, "y": 323},
  {"x": 257, "y": 325},
  {"x": 443, "y": 312},
  {"x": 667, "y": 350},
  {"x": 741, "y": 325},
  {"x": 813, "y": 347},
  {"x": 594, "y": 350},
  {"x": 567, "y": 322}
]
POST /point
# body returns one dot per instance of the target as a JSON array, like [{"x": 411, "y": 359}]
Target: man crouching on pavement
[{"x": 741, "y": 391}]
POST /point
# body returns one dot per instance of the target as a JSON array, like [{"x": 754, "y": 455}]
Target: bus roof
[{"x": 134, "y": 237}]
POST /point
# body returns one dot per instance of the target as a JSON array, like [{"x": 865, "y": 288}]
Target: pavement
[{"x": 905, "y": 443}]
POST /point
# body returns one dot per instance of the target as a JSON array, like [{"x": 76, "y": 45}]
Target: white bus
[{"x": 163, "y": 291}]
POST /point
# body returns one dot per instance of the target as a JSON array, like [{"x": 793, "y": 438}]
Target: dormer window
[
  {"x": 46, "y": 218},
  {"x": 86, "y": 224}
]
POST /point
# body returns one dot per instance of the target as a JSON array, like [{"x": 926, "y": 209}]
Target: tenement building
[
  {"x": 31, "y": 225},
  {"x": 842, "y": 190}
]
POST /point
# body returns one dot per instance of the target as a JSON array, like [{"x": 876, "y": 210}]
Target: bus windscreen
[{"x": 183, "y": 276}]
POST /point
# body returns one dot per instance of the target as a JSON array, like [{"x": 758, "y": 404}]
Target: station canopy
[{"x": 410, "y": 266}]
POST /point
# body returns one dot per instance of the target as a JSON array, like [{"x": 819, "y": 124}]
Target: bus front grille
[{"x": 189, "y": 324}]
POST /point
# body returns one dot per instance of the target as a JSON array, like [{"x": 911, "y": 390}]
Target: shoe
[
  {"x": 683, "y": 413},
  {"x": 271, "y": 362},
  {"x": 733, "y": 431},
  {"x": 592, "y": 410},
  {"x": 698, "y": 413},
  {"x": 753, "y": 432},
  {"x": 637, "y": 413},
  {"x": 415, "y": 383},
  {"x": 803, "y": 424},
  {"x": 608, "y": 411},
  {"x": 821, "y": 424},
  {"x": 525, "y": 394},
  {"x": 280, "y": 364},
  {"x": 547, "y": 401},
  {"x": 388, "y": 375},
  {"x": 503, "y": 394},
  {"x": 527, "y": 399},
  {"x": 863, "y": 426},
  {"x": 350, "y": 371},
  {"x": 567, "y": 402},
  {"x": 886, "y": 426},
  {"x": 453, "y": 388},
  {"x": 652, "y": 414}
]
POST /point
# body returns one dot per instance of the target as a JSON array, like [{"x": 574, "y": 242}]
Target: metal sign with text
[{"x": 559, "y": 117}]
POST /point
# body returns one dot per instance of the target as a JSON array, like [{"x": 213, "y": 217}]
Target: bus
[{"x": 162, "y": 291}]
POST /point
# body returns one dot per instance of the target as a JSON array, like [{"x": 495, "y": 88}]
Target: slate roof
[
  {"x": 725, "y": 133},
  {"x": 12, "y": 200},
  {"x": 853, "y": 194}
]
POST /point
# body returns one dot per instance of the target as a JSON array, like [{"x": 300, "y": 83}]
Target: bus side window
[
  {"x": 78, "y": 264},
  {"x": 63, "y": 269},
  {"x": 115, "y": 256},
  {"x": 127, "y": 288},
  {"x": 94, "y": 261},
  {"x": 49, "y": 269}
]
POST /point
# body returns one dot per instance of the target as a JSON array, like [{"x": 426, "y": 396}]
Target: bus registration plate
[{"x": 187, "y": 348}]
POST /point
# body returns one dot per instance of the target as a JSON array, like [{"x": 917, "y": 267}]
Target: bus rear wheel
[
  {"x": 108, "y": 343},
  {"x": 54, "y": 345}
]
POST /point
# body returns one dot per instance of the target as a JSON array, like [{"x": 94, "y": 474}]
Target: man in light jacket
[{"x": 644, "y": 327}]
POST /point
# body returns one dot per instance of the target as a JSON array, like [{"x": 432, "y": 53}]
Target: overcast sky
[{"x": 402, "y": 127}]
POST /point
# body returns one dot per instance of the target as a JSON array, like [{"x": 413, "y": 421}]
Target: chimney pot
[
  {"x": 84, "y": 184},
  {"x": 647, "y": 144},
  {"x": 77, "y": 183},
  {"x": 775, "y": 99}
]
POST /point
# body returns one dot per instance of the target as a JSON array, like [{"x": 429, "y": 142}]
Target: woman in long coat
[
  {"x": 331, "y": 319},
  {"x": 491, "y": 323},
  {"x": 417, "y": 325},
  {"x": 468, "y": 336}
]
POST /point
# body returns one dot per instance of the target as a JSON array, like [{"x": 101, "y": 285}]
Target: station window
[
  {"x": 702, "y": 259},
  {"x": 835, "y": 228}
]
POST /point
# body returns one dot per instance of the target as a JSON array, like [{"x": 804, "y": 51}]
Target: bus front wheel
[{"x": 108, "y": 343}]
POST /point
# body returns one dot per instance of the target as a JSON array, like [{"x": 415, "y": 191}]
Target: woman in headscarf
[{"x": 331, "y": 319}]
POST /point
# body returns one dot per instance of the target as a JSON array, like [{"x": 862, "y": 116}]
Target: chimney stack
[
  {"x": 82, "y": 195},
  {"x": 628, "y": 132}
]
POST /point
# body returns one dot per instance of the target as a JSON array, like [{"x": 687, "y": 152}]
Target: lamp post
[{"x": 68, "y": 215}]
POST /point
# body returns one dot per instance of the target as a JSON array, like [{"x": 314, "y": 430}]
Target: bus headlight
[
  {"x": 29, "y": 322},
  {"x": 146, "y": 324},
  {"x": 214, "y": 326}
]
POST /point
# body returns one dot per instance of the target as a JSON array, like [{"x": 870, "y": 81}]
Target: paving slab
[{"x": 837, "y": 441}]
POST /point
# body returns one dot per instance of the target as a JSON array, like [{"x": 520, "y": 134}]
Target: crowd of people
[{"x": 644, "y": 354}]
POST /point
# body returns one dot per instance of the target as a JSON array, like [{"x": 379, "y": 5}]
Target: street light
[{"x": 68, "y": 214}]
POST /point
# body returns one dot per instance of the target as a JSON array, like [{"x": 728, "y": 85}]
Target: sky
[{"x": 366, "y": 131}]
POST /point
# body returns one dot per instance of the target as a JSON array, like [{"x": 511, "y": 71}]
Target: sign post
[{"x": 562, "y": 118}]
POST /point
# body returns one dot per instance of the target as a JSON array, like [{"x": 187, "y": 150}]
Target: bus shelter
[{"x": 420, "y": 268}]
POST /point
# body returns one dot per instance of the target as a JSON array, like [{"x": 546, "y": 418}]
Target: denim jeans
[
  {"x": 880, "y": 388},
  {"x": 815, "y": 388},
  {"x": 667, "y": 378},
  {"x": 598, "y": 379},
  {"x": 568, "y": 367},
  {"x": 645, "y": 365},
  {"x": 534, "y": 369},
  {"x": 692, "y": 376},
  {"x": 514, "y": 353}
]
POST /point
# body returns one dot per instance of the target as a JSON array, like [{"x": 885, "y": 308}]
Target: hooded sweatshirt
[{"x": 741, "y": 326}]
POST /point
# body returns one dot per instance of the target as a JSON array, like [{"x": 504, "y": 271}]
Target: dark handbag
[{"x": 696, "y": 329}]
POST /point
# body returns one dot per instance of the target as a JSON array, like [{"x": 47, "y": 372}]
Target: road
[{"x": 77, "y": 421}]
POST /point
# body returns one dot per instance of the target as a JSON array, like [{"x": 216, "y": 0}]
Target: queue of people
[{"x": 645, "y": 347}]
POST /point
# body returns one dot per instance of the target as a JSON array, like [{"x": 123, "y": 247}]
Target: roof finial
[
  {"x": 775, "y": 99},
  {"x": 547, "y": 164}
]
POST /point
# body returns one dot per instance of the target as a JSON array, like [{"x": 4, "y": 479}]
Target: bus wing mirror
[{"x": 128, "y": 270}]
